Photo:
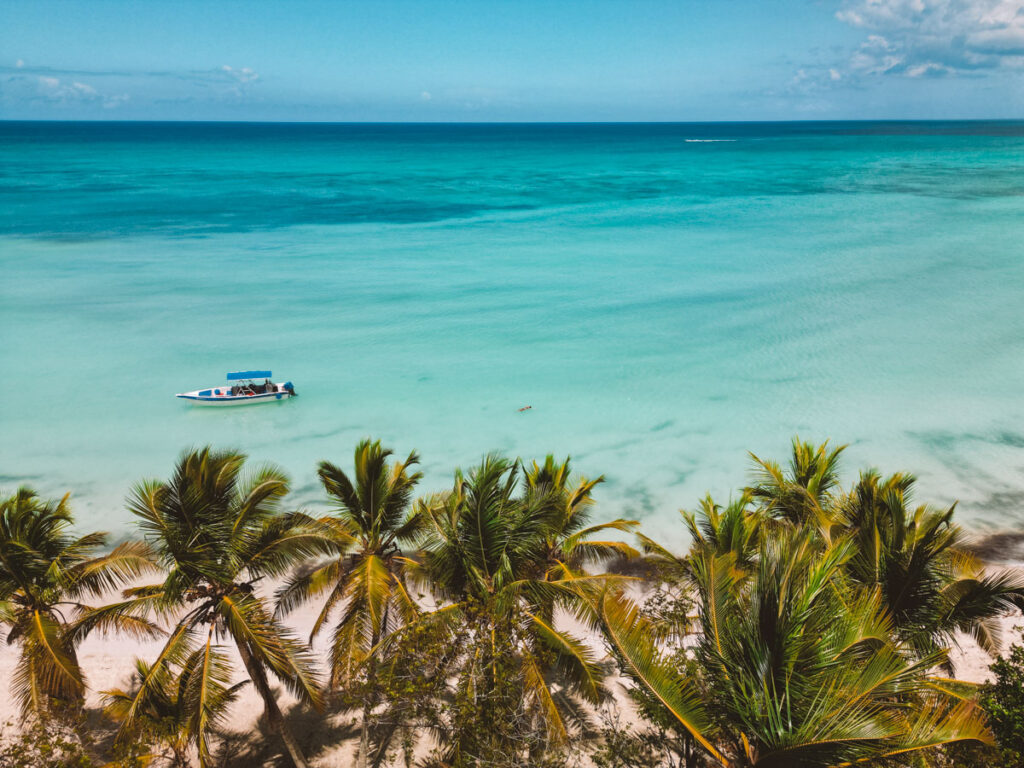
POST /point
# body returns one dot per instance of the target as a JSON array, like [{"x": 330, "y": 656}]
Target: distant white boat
[{"x": 245, "y": 391}]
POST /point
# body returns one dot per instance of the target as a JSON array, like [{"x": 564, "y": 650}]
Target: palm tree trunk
[
  {"x": 274, "y": 717},
  {"x": 370, "y": 700},
  {"x": 364, "y": 728},
  {"x": 78, "y": 702},
  {"x": 368, "y": 709}
]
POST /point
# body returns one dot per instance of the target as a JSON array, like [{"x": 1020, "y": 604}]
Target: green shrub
[
  {"x": 43, "y": 744},
  {"x": 1003, "y": 699}
]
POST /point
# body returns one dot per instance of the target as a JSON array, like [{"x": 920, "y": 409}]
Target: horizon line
[{"x": 524, "y": 122}]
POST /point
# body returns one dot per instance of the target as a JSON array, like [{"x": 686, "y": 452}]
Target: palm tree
[
  {"x": 931, "y": 587},
  {"x": 486, "y": 551},
  {"x": 367, "y": 578},
  {"x": 802, "y": 493},
  {"x": 735, "y": 529},
  {"x": 45, "y": 574},
  {"x": 798, "y": 667},
  {"x": 570, "y": 543},
  {"x": 218, "y": 533},
  {"x": 166, "y": 716}
]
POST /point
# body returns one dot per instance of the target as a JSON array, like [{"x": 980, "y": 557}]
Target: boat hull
[{"x": 222, "y": 401}]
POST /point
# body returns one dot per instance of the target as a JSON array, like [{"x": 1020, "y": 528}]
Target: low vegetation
[{"x": 493, "y": 624}]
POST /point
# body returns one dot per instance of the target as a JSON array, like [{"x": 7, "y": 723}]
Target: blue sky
[{"x": 510, "y": 60}]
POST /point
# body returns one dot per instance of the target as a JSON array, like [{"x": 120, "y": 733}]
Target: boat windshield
[{"x": 250, "y": 387}]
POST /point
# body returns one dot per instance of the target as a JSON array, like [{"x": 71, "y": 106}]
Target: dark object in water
[
  {"x": 525, "y": 408},
  {"x": 998, "y": 546}
]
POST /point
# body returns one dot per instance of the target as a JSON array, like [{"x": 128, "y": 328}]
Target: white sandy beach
[{"x": 108, "y": 663}]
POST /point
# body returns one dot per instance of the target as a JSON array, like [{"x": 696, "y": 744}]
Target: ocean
[{"x": 664, "y": 297}]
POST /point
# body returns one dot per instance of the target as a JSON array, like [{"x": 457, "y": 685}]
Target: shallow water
[{"x": 663, "y": 304}]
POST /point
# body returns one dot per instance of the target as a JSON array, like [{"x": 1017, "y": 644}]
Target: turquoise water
[{"x": 663, "y": 304}]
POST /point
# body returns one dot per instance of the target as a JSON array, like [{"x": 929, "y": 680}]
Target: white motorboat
[{"x": 245, "y": 389}]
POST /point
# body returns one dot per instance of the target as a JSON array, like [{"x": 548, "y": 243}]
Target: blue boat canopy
[{"x": 242, "y": 375}]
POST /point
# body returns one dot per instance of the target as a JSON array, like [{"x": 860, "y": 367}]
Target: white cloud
[
  {"x": 232, "y": 83},
  {"x": 918, "y": 38},
  {"x": 243, "y": 75},
  {"x": 67, "y": 91},
  {"x": 55, "y": 89},
  {"x": 929, "y": 69},
  {"x": 114, "y": 101},
  {"x": 58, "y": 91},
  {"x": 425, "y": 96},
  {"x": 811, "y": 87},
  {"x": 876, "y": 56}
]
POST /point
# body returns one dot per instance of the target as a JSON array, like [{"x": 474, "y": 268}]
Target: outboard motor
[{"x": 290, "y": 389}]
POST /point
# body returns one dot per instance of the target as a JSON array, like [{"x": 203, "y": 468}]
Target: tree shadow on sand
[
  {"x": 315, "y": 731},
  {"x": 101, "y": 729}
]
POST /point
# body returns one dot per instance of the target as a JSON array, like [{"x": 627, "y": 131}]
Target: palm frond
[
  {"x": 257, "y": 496},
  {"x": 127, "y": 617},
  {"x": 350, "y": 642},
  {"x": 101, "y": 575},
  {"x": 626, "y": 633},
  {"x": 537, "y": 688},
  {"x": 155, "y": 678},
  {"x": 207, "y": 693},
  {"x": 272, "y": 644},
  {"x": 575, "y": 661},
  {"x": 48, "y": 670},
  {"x": 285, "y": 541},
  {"x": 305, "y": 584}
]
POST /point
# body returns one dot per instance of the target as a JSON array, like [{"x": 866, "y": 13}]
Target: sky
[{"x": 511, "y": 60}]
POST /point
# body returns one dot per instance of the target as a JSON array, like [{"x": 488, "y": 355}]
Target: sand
[{"x": 108, "y": 663}]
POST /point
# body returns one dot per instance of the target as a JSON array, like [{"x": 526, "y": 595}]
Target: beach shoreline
[{"x": 108, "y": 663}]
